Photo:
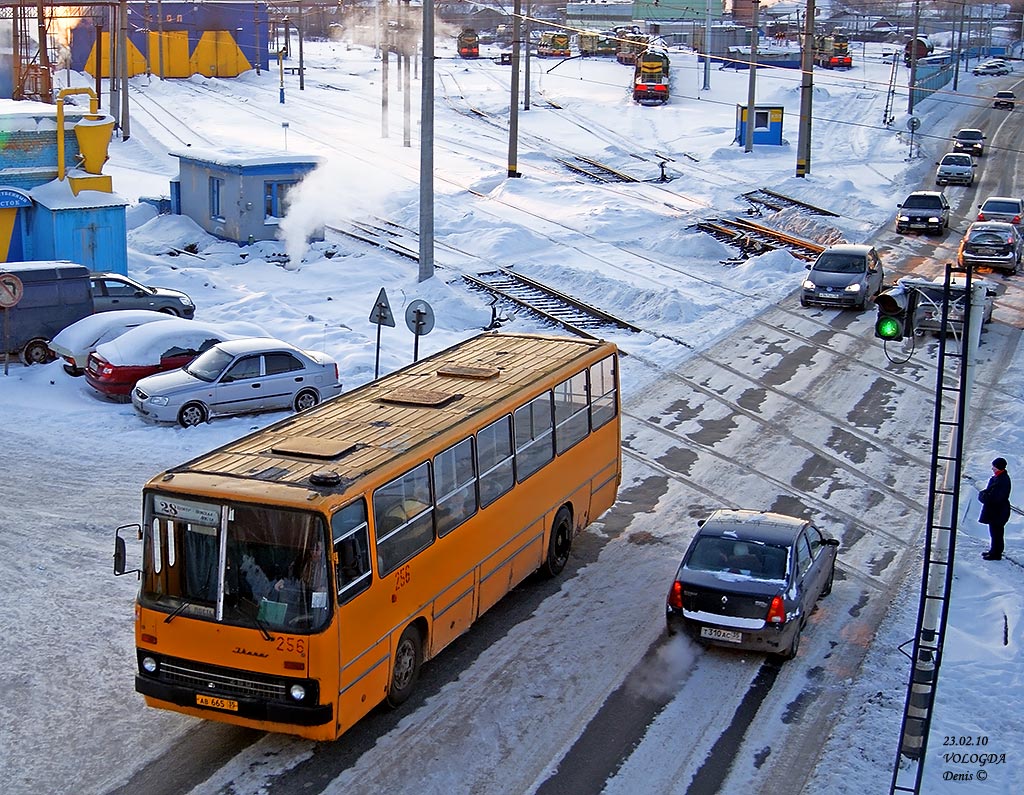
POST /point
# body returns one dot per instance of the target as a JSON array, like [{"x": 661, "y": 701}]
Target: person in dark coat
[{"x": 995, "y": 507}]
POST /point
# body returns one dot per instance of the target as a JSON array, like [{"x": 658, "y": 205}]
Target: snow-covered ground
[{"x": 69, "y": 720}]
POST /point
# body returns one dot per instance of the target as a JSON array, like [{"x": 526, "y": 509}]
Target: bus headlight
[
  {"x": 149, "y": 664},
  {"x": 297, "y": 692}
]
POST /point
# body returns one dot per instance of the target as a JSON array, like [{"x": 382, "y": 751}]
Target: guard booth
[{"x": 767, "y": 124}]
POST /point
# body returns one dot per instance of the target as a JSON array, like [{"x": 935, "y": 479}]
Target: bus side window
[
  {"x": 572, "y": 422},
  {"x": 352, "y": 549},
  {"x": 534, "y": 435},
  {"x": 603, "y": 394},
  {"x": 403, "y": 518},
  {"x": 494, "y": 460},
  {"x": 455, "y": 486}
]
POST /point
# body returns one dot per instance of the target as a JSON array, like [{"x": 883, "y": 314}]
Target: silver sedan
[{"x": 240, "y": 376}]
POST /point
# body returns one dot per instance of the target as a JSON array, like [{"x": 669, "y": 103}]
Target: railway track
[
  {"x": 595, "y": 170},
  {"x": 564, "y": 311},
  {"x": 775, "y": 202},
  {"x": 753, "y": 239}
]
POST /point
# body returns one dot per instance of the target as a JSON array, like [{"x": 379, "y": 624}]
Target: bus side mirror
[{"x": 120, "y": 552}]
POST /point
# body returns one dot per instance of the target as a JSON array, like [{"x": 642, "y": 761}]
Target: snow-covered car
[
  {"x": 112, "y": 291},
  {"x": 843, "y": 275},
  {"x": 114, "y": 367},
  {"x": 955, "y": 168},
  {"x": 77, "y": 341},
  {"x": 239, "y": 376},
  {"x": 750, "y": 579}
]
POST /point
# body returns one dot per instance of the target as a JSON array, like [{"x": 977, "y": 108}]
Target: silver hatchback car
[
  {"x": 240, "y": 376},
  {"x": 843, "y": 275}
]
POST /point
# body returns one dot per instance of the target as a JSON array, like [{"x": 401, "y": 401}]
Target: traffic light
[{"x": 895, "y": 314}]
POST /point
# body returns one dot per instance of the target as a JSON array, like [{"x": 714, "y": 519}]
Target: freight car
[{"x": 631, "y": 44}]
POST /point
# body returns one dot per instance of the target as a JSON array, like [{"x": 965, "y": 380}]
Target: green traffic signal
[
  {"x": 895, "y": 314},
  {"x": 888, "y": 328}
]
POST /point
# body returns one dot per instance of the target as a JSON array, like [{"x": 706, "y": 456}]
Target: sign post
[
  {"x": 11, "y": 291},
  {"x": 419, "y": 317},
  {"x": 381, "y": 315}
]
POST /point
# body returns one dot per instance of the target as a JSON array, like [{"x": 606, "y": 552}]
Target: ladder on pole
[
  {"x": 951, "y": 399},
  {"x": 890, "y": 97}
]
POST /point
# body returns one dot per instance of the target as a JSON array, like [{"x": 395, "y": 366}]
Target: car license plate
[
  {"x": 714, "y": 633},
  {"x": 216, "y": 703}
]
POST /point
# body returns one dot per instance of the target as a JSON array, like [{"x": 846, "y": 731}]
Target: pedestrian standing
[{"x": 995, "y": 507}]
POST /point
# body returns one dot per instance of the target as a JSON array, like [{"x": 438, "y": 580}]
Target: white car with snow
[{"x": 77, "y": 341}]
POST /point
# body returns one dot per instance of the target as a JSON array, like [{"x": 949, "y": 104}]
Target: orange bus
[{"x": 293, "y": 579}]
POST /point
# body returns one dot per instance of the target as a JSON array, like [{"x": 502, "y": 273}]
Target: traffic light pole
[{"x": 940, "y": 542}]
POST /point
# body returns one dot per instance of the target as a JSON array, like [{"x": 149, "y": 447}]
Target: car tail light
[
  {"x": 337, "y": 375},
  {"x": 675, "y": 596},
  {"x": 981, "y": 216},
  {"x": 776, "y": 611},
  {"x": 1016, "y": 219}
]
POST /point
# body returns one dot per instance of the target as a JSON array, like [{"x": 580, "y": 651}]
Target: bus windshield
[{"x": 236, "y": 563}]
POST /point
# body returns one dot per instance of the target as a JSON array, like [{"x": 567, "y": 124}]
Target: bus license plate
[
  {"x": 216, "y": 703},
  {"x": 714, "y": 633}
]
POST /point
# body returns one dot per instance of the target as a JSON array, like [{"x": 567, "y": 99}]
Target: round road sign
[
  {"x": 11, "y": 290},
  {"x": 913, "y": 124},
  {"x": 419, "y": 317}
]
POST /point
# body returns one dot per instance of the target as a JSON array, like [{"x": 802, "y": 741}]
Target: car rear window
[
  {"x": 1009, "y": 207},
  {"x": 988, "y": 237},
  {"x": 750, "y": 558}
]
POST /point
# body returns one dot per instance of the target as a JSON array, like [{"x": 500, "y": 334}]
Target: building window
[
  {"x": 216, "y": 189},
  {"x": 275, "y": 199}
]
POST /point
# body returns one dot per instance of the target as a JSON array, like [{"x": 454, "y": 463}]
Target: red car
[{"x": 115, "y": 366}]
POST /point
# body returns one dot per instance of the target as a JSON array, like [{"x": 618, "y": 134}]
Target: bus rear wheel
[
  {"x": 560, "y": 543},
  {"x": 406, "y": 669}
]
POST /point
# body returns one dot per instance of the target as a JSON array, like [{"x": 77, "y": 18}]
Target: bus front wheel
[
  {"x": 406, "y": 670},
  {"x": 559, "y": 544}
]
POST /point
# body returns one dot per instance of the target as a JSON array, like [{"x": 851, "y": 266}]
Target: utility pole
[
  {"x": 707, "y": 47},
  {"x": 526, "y": 69},
  {"x": 803, "y": 147},
  {"x": 959, "y": 48},
  {"x": 913, "y": 56},
  {"x": 513, "y": 105},
  {"x": 752, "y": 81},
  {"x": 385, "y": 46},
  {"x": 123, "y": 61},
  {"x": 427, "y": 146}
]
